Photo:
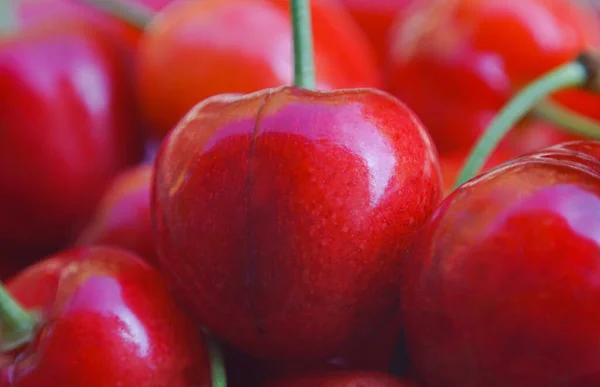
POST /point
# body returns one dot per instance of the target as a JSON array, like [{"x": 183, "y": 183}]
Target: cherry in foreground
[
  {"x": 283, "y": 216},
  {"x": 104, "y": 318},
  {"x": 501, "y": 287}
]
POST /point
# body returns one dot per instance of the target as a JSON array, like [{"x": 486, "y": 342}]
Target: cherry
[
  {"x": 449, "y": 62},
  {"x": 282, "y": 216},
  {"x": 341, "y": 379},
  {"x": 196, "y": 49},
  {"x": 100, "y": 317},
  {"x": 67, "y": 129},
  {"x": 500, "y": 286},
  {"x": 122, "y": 218}
]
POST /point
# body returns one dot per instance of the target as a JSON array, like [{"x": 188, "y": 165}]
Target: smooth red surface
[
  {"x": 122, "y": 218},
  {"x": 457, "y": 62},
  {"x": 34, "y": 12},
  {"x": 66, "y": 130},
  {"x": 341, "y": 379},
  {"x": 283, "y": 216},
  {"x": 197, "y": 49},
  {"x": 376, "y": 17},
  {"x": 501, "y": 286},
  {"x": 107, "y": 319}
]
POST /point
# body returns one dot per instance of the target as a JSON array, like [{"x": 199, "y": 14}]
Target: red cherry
[
  {"x": 105, "y": 319},
  {"x": 341, "y": 379},
  {"x": 500, "y": 288},
  {"x": 283, "y": 216},
  {"x": 122, "y": 218},
  {"x": 197, "y": 49},
  {"x": 67, "y": 129},
  {"x": 449, "y": 63}
]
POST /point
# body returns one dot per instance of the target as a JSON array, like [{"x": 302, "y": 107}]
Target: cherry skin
[
  {"x": 282, "y": 216},
  {"x": 449, "y": 63},
  {"x": 376, "y": 18},
  {"x": 341, "y": 379},
  {"x": 106, "y": 319},
  {"x": 500, "y": 287},
  {"x": 67, "y": 129},
  {"x": 197, "y": 49},
  {"x": 122, "y": 218},
  {"x": 34, "y": 12}
]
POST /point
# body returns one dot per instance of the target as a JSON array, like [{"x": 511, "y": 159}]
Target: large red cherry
[
  {"x": 283, "y": 216},
  {"x": 501, "y": 287}
]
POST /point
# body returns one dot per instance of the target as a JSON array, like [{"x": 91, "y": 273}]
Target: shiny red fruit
[
  {"x": 105, "y": 319},
  {"x": 67, "y": 129},
  {"x": 197, "y": 49},
  {"x": 501, "y": 286},
  {"x": 283, "y": 216},
  {"x": 341, "y": 379},
  {"x": 449, "y": 62},
  {"x": 122, "y": 218}
]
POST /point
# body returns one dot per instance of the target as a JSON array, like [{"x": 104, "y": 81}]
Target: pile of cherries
[{"x": 201, "y": 193}]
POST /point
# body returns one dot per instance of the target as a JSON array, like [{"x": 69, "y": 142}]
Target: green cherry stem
[
  {"x": 8, "y": 17},
  {"x": 572, "y": 74},
  {"x": 304, "y": 66},
  {"x": 16, "y": 324},
  {"x": 134, "y": 14},
  {"x": 568, "y": 119},
  {"x": 217, "y": 362}
]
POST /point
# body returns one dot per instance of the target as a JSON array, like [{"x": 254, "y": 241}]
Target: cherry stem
[
  {"x": 17, "y": 325},
  {"x": 572, "y": 74},
  {"x": 217, "y": 363},
  {"x": 8, "y": 17},
  {"x": 304, "y": 66},
  {"x": 134, "y": 14},
  {"x": 568, "y": 119}
]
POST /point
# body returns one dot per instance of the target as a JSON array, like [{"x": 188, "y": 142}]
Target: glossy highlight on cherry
[
  {"x": 500, "y": 287},
  {"x": 307, "y": 200}
]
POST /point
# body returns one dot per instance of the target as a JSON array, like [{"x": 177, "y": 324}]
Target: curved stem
[
  {"x": 304, "y": 67},
  {"x": 8, "y": 17},
  {"x": 217, "y": 363},
  {"x": 568, "y": 119},
  {"x": 569, "y": 75},
  {"x": 134, "y": 14},
  {"x": 17, "y": 325}
]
